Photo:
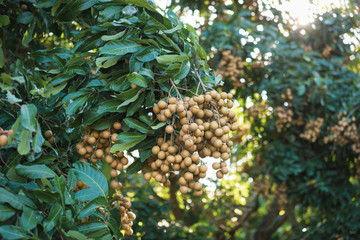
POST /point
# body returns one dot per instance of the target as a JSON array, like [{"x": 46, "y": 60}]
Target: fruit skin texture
[{"x": 3, "y": 140}]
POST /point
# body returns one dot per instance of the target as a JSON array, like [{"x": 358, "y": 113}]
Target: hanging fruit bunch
[
  {"x": 199, "y": 128},
  {"x": 4, "y": 137},
  {"x": 96, "y": 145}
]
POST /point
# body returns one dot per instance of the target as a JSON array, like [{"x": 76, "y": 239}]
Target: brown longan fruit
[
  {"x": 172, "y": 100},
  {"x": 48, "y": 134},
  {"x": 172, "y": 149},
  {"x": 109, "y": 159},
  {"x": 113, "y": 173},
  {"x": 207, "y": 98},
  {"x": 52, "y": 140},
  {"x": 193, "y": 168},
  {"x": 99, "y": 153},
  {"x": 184, "y": 189},
  {"x": 164, "y": 147},
  {"x": 188, "y": 176},
  {"x": 203, "y": 168},
  {"x": 224, "y": 170},
  {"x": 198, "y": 186},
  {"x": 117, "y": 125},
  {"x": 24, "y": 7},
  {"x": 213, "y": 94},
  {"x": 219, "y": 174},
  {"x": 105, "y": 134},
  {"x": 176, "y": 167},
  {"x": 155, "y": 150},
  {"x": 113, "y": 137},
  {"x": 124, "y": 160},
  {"x": 147, "y": 176},
  {"x": 81, "y": 151},
  {"x": 223, "y": 95},
  {"x": 229, "y": 96},
  {"x": 129, "y": 231},
  {"x": 114, "y": 184},
  {"x": 158, "y": 177},
  {"x": 182, "y": 181},
  {"x": 216, "y": 166},
  {"x": 131, "y": 216},
  {"x": 189, "y": 143},
  {"x": 167, "y": 113},
  {"x": 156, "y": 109},
  {"x": 162, "y": 104},
  {"x": 180, "y": 108}
]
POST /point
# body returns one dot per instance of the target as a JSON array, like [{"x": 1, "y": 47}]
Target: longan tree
[{"x": 88, "y": 89}]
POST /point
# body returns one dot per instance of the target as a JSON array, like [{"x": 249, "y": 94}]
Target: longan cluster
[
  {"x": 231, "y": 67},
  {"x": 283, "y": 118},
  {"x": 258, "y": 64},
  {"x": 326, "y": 51},
  {"x": 312, "y": 129},
  {"x": 80, "y": 185},
  {"x": 306, "y": 48},
  {"x": 344, "y": 132},
  {"x": 96, "y": 146},
  {"x": 4, "y": 137},
  {"x": 257, "y": 110},
  {"x": 264, "y": 187},
  {"x": 199, "y": 129},
  {"x": 49, "y": 136},
  {"x": 287, "y": 96},
  {"x": 127, "y": 216},
  {"x": 243, "y": 130}
]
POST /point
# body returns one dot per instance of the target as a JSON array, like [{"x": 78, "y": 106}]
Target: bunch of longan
[
  {"x": 49, "y": 136},
  {"x": 4, "y": 137},
  {"x": 199, "y": 128},
  {"x": 96, "y": 146},
  {"x": 127, "y": 216},
  {"x": 287, "y": 96},
  {"x": 231, "y": 67},
  {"x": 312, "y": 129},
  {"x": 80, "y": 185},
  {"x": 283, "y": 118}
]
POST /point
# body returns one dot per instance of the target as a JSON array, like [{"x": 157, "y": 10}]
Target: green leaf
[
  {"x": 145, "y": 154},
  {"x": 183, "y": 72},
  {"x": 46, "y": 196},
  {"x": 74, "y": 105},
  {"x": 113, "y": 37},
  {"x": 92, "y": 177},
  {"x": 10, "y": 198},
  {"x": 25, "y": 17},
  {"x": 6, "y": 212},
  {"x": 12, "y": 98},
  {"x": 135, "y": 167},
  {"x": 90, "y": 227},
  {"x": 123, "y": 146},
  {"x": 29, "y": 219},
  {"x": 130, "y": 100},
  {"x": 10, "y": 232},
  {"x": 141, "y": 3},
  {"x": 77, "y": 235},
  {"x": 86, "y": 195},
  {"x": 159, "y": 125},
  {"x": 171, "y": 58},
  {"x": 34, "y": 171},
  {"x": 111, "y": 105},
  {"x": 130, "y": 137},
  {"x": 135, "y": 106},
  {"x": 137, "y": 79},
  {"x": 28, "y": 113},
  {"x": 148, "y": 54},
  {"x": 53, "y": 218},
  {"x": 2, "y": 59},
  {"x": 45, "y": 3},
  {"x": 4, "y": 20},
  {"x": 120, "y": 47},
  {"x": 150, "y": 100},
  {"x": 135, "y": 124},
  {"x": 38, "y": 140},
  {"x": 24, "y": 145},
  {"x": 28, "y": 35},
  {"x": 60, "y": 184},
  {"x": 90, "y": 208},
  {"x": 106, "y": 62}
]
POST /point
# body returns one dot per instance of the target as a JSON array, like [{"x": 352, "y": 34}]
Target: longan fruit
[
  {"x": 213, "y": 94},
  {"x": 164, "y": 147},
  {"x": 161, "y": 155},
  {"x": 216, "y": 154},
  {"x": 219, "y": 174},
  {"x": 109, "y": 159},
  {"x": 95, "y": 134},
  {"x": 81, "y": 151},
  {"x": 114, "y": 164},
  {"x": 147, "y": 176},
  {"x": 48, "y": 134},
  {"x": 113, "y": 173},
  {"x": 189, "y": 143},
  {"x": 229, "y": 96},
  {"x": 113, "y": 137},
  {"x": 156, "y": 109},
  {"x": 24, "y": 7},
  {"x": 188, "y": 176},
  {"x": 124, "y": 160},
  {"x": 184, "y": 189},
  {"x": 207, "y": 98},
  {"x": 155, "y": 150},
  {"x": 223, "y": 164},
  {"x": 180, "y": 108},
  {"x": 158, "y": 177},
  {"x": 172, "y": 100},
  {"x": 131, "y": 216},
  {"x": 99, "y": 153},
  {"x": 167, "y": 113},
  {"x": 119, "y": 166},
  {"x": 176, "y": 167},
  {"x": 117, "y": 125},
  {"x": 105, "y": 134},
  {"x": 198, "y": 186},
  {"x": 193, "y": 168},
  {"x": 223, "y": 95},
  {"x": 216, "y": 166},
  {"x": 172, "y": 149},
  {"x": 224, "y": 170},
  {"x": 214, "y": 125},
  {"x": 114, "y": 184},
  {"x": 52, "y": 140},
  {"x": 182, "y": 181},
  {"x": 129, "y": 231},
  {"x": 203, "y": 168},
  {"x": 162, "y": 104}
]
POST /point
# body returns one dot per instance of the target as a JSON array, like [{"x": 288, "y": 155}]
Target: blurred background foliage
[{"x": 295, "y": 168}]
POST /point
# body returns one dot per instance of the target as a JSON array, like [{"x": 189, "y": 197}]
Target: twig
[
  {"x": 201, "y": 82},
  {"x": 3, "y": 160}
]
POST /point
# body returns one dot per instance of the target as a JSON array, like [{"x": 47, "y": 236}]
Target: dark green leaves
[
  {"x": 10, "y": 198},
  {"x": 28, "y": 113},
  {"x": 92, "y": 177},
  {"x": 137, "y": 79},
  {"x": 6, "y": 212},
  {"x": 90, "y": 208},
  {"x": 171, "y": 58},
  {"x": 34, "y": 171},
  {"x": 135, "y": 124},
  {"x": 120, "y": 47},
  {"x": 130, "y": 137},
  {"x": 29, "y": 219},
  {"x": 25, "y": 17},
  {"x": 11, "y": 232},
  {"x": 53, "y": 218},
  {"x": 148, "y": 54}
]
